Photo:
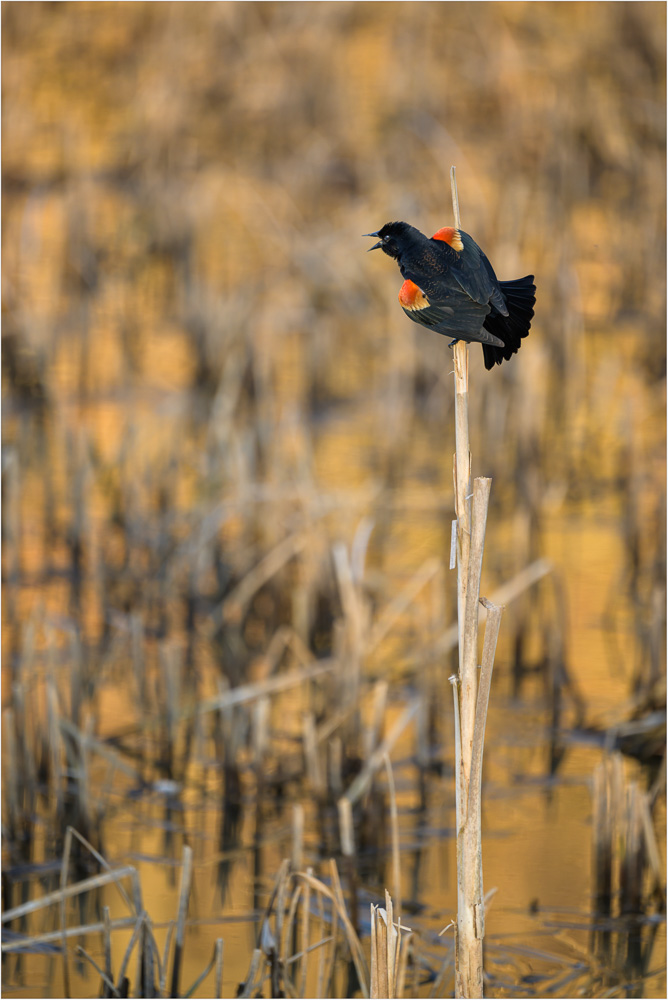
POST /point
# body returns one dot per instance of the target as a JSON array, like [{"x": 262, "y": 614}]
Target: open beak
[{"x": 376, "y": 246}]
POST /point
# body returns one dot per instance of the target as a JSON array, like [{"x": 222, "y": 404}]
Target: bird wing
[
  {"x": 430, "y": 314},
  {"x": 447, "y": 310},
  {"x": 475, "y": 275}
]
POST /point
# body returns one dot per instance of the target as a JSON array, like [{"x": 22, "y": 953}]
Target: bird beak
[{"x": 376, "y": 246}]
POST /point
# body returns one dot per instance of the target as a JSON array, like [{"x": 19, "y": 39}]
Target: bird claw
[{"x": 453, "y": 342}]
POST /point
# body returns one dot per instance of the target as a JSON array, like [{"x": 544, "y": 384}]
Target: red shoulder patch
[
  {"x": 450, "y": 236},
  {"x": 411, "y": 297}
]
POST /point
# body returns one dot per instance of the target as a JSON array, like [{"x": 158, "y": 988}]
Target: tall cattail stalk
[{"x": 471, "y": 693}]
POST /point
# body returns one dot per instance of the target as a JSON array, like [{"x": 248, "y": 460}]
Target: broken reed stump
[
  {"x": 471, "y": 694},
  {"x": 389, "y": 952}
]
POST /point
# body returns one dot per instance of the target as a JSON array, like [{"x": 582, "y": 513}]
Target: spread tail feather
[{"x": 520, "y": 296}]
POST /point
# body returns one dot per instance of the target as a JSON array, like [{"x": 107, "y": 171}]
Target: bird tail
[{"x": 520, "y": 296}]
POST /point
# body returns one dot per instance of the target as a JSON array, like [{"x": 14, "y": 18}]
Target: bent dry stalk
[{"x": 471, "y": 695}]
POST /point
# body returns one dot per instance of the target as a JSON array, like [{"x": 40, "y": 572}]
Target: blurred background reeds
[{"x": 227, "y": 494}]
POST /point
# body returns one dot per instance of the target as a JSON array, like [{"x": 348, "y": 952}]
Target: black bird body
[{"x": 450, "y": 287}]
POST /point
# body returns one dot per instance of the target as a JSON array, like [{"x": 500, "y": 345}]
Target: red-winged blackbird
[{"x": 451, "y": 287}]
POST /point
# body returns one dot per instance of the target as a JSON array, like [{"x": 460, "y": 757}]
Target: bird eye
[{"x": 386, "y": 239}]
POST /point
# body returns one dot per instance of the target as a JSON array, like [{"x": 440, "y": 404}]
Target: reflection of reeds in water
[
  {"x": 208, "y": 404},
  {"x": 628, "y": 880},
  {"x": 152, "y": 969}
]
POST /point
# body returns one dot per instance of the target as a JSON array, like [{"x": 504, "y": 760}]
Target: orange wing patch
[
  {"x": 412, "y": 297},
  {"x": 451, "y": 237}
]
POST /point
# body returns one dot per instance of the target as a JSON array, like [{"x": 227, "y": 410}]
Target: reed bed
[{"x": 227, "y": 616}]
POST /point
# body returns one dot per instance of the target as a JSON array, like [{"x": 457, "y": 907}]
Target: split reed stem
[{"x": 471, "y": 697}]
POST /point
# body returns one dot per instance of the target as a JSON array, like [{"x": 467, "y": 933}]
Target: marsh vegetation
[{"x": 228, "y": 618}]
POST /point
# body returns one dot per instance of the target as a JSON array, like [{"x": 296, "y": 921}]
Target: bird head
[{"x": 393, "y": 238}]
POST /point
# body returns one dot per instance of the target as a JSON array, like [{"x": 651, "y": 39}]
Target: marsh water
[
  {"x": 537, "y": 817},
  {"x": 227, "y": 478}
]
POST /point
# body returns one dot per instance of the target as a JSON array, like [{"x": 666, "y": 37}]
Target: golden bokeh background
[{"x": 201, "y": 364}]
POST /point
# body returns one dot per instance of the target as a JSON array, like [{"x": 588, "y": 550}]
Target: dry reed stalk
[
  {"x": 53, "y": 717},
  {"x": 297, "y": 836},
  {"x": 335, "y": 895},
  {"x": 364, "y": 778},
  {"x": 106, "y": 918},
  {"x": 281, "y": 889},
  {"x": 145, "y": 964},
  {"x": 289, "y": 930},
  {"x": 494, "y": 613},
  {"x": 624, "y": 851},
  {"x": 350, "y": 638},
  {"x": 372, "y": 732},
  {"x": 260, "y": 733},
  {"x": 269, "y": 941},
  {"x": 394, "y": 828},
  {"x": 403, "y": 600},
  {"x": 165, "y": 956},
  {"x": 94, "y": 882},
  {"x": 632, "y": 865},
  {"x": 462, "y": 463},
  {"x": 328, "y": 974},
  {"x": 218, "y": 989},
  {"x": 233, "y": 606},
  {"x": 184, "y": 897},
  {"x": 314, "y": 768},
  {"x": 62, "y": 909},
  {"x": 250, "y": 692},
  {"x": 454, "y": 680},
  {"x": 155, "y": 952},
  {"x": 651, "y": 846},
  {"x": 205, "y": 972},
  {"x": 134, "y": 938},
  {"x": 404, "y": 952},
  {"x": 354, "y": 611},
  {"x": 49, "y": 937},
  {"x": 386, "y": 948},
  {"x": 503, "y": 595},
  {"x": 446, "y": 970},
  {"x": 109, "y": 988},
  {"x": 346, "y": 833},
  {"x": 335, "y": 765},
  {"x": 603, "y": 831},
  {"x": 321, "y": 954},
  {"x": 250, "y": 984},
  {"x": 88, "y": 742},
  {"x": 304, "y": 933},
  {"x": 10, "y": 782},
  {"x": 471, "y": 704}
]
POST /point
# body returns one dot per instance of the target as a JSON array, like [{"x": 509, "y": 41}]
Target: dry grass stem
[
  {"x": 504, "y": 595},
  {"x": 184, "y": 899},
  {"x": 218, "y": 988},
  {"x": 353, "y": 940},
  {"x": 469, "y": 676},
  {"x": 403, "y": 600},
  {"x": 494, "y": 614},
  {"x": 471, "y": 524},
  {"x": 226, "y": 505},
  {"x": 233, "y": 606},
  {"x": 50, "y": 937},
  {"x": 304, "y": 932},
  {"x": 252, "y": 983},
  {"x": 272, "y": 685},
  {"x": 94, "y": 882},
  {"x": 297, "y": 836},
  {"x": 387, "y": 945},
  {"x": 394, "y": 829},
  {"x": 101, "y": 973},
  {"x": 364, "y": 778}
]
